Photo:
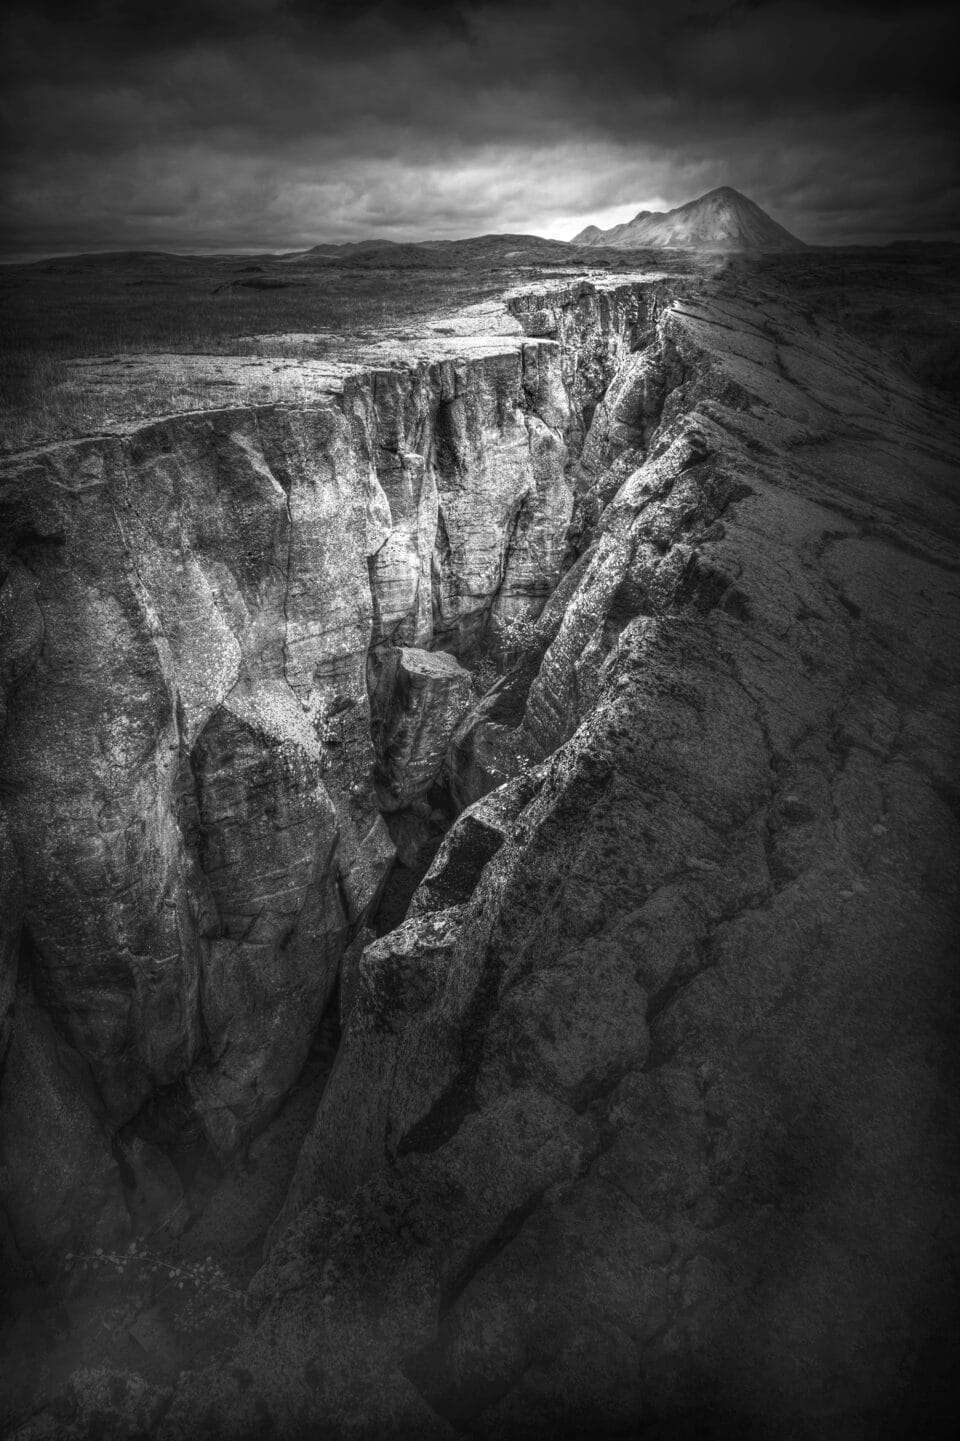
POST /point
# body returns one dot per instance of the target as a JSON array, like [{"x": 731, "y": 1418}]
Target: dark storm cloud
[{"x": 281, "y": 122}]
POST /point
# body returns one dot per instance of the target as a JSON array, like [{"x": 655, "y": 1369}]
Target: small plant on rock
[
  {"x": 513, "y": 638},
  {"x": 209, "y": 1300},
  {"x": 517, "y": 634},
  {"x": 485, "y": 674}
]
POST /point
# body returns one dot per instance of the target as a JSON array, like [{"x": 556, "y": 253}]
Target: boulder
[{"x": 428, "y": 693}]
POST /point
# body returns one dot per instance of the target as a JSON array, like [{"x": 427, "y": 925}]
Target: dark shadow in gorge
[{"x": 418, "y": 833}]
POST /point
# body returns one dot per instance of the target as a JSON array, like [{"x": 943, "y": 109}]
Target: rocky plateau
[{"x": 563, "y": 704}]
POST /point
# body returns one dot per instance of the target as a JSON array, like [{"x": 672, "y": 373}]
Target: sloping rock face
[
  {"x": 642, "y": 1121},
  {"x": 191, "y": 830}
]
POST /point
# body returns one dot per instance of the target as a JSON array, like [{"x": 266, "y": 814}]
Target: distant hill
[
  {"x": 723, "y": 219},
  {"x": 472, "y": 251}
]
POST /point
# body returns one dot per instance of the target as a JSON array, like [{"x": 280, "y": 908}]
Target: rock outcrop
[{"x": 425, "y": 694}]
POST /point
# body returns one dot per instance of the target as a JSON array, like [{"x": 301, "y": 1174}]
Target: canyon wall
[{"x": 192, "y": 824}]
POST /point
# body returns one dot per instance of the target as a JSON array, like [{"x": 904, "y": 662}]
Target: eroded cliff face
[
  {"x": 641, "y": 1117},
  {"x": 192, "y": 825}
]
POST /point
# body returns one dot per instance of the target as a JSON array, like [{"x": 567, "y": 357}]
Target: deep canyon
[{"x": 479, "y": 862}]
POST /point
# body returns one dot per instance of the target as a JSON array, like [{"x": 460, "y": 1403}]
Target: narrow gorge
[{"x": 557, "y": 718}]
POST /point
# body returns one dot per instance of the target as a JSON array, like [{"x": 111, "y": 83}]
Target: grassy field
[
  {"x": 58, "y": 313},
  {"x": 91, "y": 342}
]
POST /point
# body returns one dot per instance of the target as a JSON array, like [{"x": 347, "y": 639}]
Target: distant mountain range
[{"x": 723, "y": 219}]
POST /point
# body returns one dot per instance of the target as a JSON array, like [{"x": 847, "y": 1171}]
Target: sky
[{"x": 278, "y": 124}]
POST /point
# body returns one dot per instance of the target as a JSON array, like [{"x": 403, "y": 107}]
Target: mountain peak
[{"x": 722, "y": 219}]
